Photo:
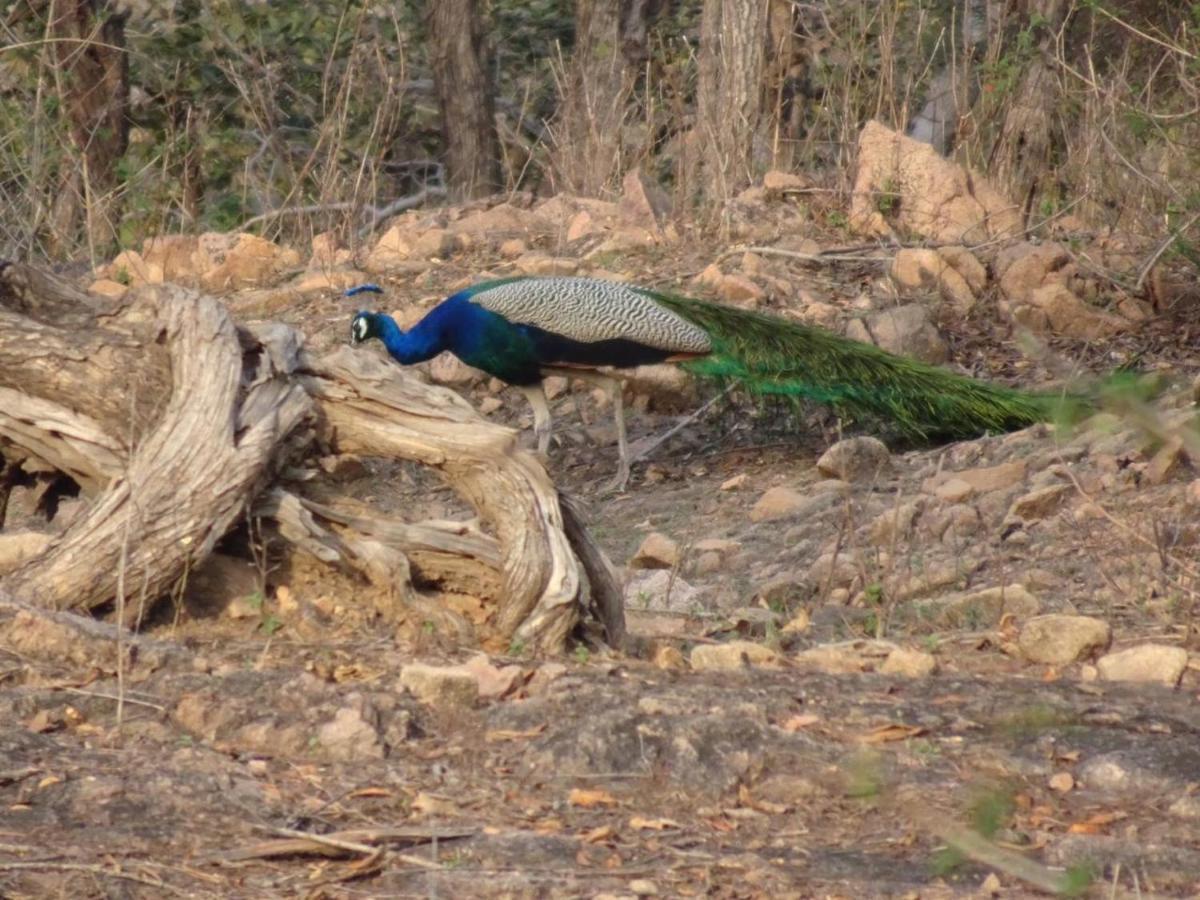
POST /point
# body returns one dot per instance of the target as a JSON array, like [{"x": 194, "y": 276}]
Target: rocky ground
[{"x": 855, "y": 670}]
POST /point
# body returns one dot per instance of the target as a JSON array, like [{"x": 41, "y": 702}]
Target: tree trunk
[
  {"x": 733, "y": 36},
  {"x": 955, "y": 87},
  {"x": 233, "y": 409},
  {"x": 1022, "y": 154},
  {"x": 461, "y": 61},
  {"x": 87, "y": 41}
]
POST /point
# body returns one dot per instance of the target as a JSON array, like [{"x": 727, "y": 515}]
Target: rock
[
  {"x": 733, "y": 655},
  {"x": 846, "y": 657},
  {"x": 130, "y": 268},
  {"x": 251, "y": 261},
  {"x": 512, "y": 248},
  {"x": 440, "y": 686},
  {"x": 1024, "y": 267},
  {"x": 1062, "y": 639},
  {"x": 722, "y": 546},
  {"x": 1165, "y": 462},
  {"x": 954, "y": 490},
  {"x": 446, "y": 368},
  {"x": 895, "y": 524},
  {"x": 855, "y": 459},
  {"x": 1063, "y": 782},
  {"x": 985, "y": 608},
  {"x": 499, "y": 222},
  {"x": 1065, "y": 314},
  {"x": 936, "y": 198},
  {"x": 105, "y": 287},
  {"x": 920, "y": 269},
  {"x": 327, "y": 251},
  {"x": 1036, "y": 505},
  {"x": 1035, "y": 283},
  {"x": 908, "y": 663},
  {"x": 777, "y": 503},
  {"x": 657, "y": 551},
  {"x": 708, "y": 562},
  {"x": 1162, "y": 663},
  {"x": 776, "y": 182},
  {"x": 582, "y": 225},
  {"x": 315, "y": 281},
  {"x": 903, "y": 330},
  {"x": 737, "y": 481},
  {"x": 660, "y": 589},
  {"x": 710, "y": 276},
  {"x": 554, "y": 386},
  {"x": 496, "y": 682},
  {"x": 643, "y": 203},
  {"x": 982, "y": 480},
  {"x": 739, "y": 289},
  {"x": 541, "y": 264},
  {"x": 179, "y": 257},
  {"x": 437, "y": 243},
  {"x": 967, "y": 265},
  {"x": 350, "y": 737}
]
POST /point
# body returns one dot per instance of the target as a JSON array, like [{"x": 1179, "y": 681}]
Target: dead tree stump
[{"x": 176, "y": 423}]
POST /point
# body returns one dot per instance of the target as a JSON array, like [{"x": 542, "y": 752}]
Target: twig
[
  {"x": 116, "y": 698},
  {"x": 92, "y": 870},
  {"x": 1162, "y": 248},
  {"x": 374, "y": 213},
  {"x": 361, "y": 840},
  {"x": 679, "y": 426}
]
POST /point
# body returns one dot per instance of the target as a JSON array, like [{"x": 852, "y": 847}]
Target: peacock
[{"x": 523, "y": 329}]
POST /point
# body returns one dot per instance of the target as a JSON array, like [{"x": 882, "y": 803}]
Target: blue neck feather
[{"x": 420, "y": 343}]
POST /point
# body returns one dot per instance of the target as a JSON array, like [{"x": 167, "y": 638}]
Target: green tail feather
[{"x": 770, "y": 355}]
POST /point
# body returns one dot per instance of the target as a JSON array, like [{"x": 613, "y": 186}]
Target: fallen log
[{"x": 176, "y": 423}]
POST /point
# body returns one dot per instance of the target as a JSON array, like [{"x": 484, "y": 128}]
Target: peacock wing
[{"x": 590, "y": 310}]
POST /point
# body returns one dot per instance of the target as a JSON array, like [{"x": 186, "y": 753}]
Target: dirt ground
[{"x": 270, "y": 750}]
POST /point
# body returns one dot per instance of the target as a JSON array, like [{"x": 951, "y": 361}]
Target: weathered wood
[
  {"x": 373, "y": 408},
  {"x": 173, "y": 421},
  {"x": 185, "y": 485}
]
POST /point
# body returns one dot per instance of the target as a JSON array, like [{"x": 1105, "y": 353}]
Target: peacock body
[{"x": 521, "y": 329}]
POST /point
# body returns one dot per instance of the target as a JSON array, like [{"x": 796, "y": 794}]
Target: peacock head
[{"x": 365, "y": 326}]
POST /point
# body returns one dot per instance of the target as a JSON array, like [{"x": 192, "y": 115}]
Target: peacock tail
[{"x": 770, "y": 355}]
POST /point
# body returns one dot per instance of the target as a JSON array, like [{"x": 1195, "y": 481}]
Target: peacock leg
[
  {"x": 615, "y": 389},
  {"x": 541, "y": 414}
]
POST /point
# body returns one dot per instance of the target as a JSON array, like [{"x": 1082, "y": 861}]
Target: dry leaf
[
  {"x": 590, "y": 798},
  {"x": 502, "y": 734},
  {"x": 1098, "y": 823},
  {"x": 797, "y": 722},
  {"x": 432, "y": 805},
  {"x": 371, "y": 792},
  {"x": 598, "y": 835},
  {"x": 1062, "y": 782},
  {"x": 891, "y": 732},
  {"x": 494, "y": 683},
  {"x": 643, "y": 824}
]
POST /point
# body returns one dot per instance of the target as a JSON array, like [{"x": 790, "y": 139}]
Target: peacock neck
[{"x": 420, "y": 343}]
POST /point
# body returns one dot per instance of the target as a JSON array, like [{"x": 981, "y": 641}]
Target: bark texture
[
  {"x": 88, "y": 47},
  {"x": 461, "y": 61},
  {"x": 733, "y": 38},
  {"x": 238, "y": 408}
]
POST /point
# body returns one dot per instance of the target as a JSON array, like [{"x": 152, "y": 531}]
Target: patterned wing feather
[{"x": 589, "y": 310}]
